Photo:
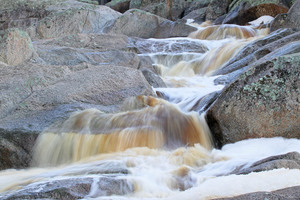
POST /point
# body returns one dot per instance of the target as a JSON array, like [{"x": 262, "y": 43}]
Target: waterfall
[{"x": 157, "y": 147}]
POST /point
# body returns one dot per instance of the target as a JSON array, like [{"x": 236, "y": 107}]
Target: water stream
[{"x": 157, "y": 148}]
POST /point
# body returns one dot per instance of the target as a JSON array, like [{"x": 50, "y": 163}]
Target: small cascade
[
  {"x": 187, "y": 75},
  {"x": 219, "y": 32},
  {"x": 158, "y": 125}
]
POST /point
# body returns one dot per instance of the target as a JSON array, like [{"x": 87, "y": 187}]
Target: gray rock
[
  {"x": 289, "y": 161},
  {"x": 28, "y": 15},
  {"x": 196, "y": 5},
  {"x": 153, "y": 79},
  {"x": 138, "y": 23},
  {"x": 289, "y": 20},
  {"x": 99, "y": 42},
  {"x": 15, "y": 149},
  {"x": 15, "y": 46},
  {"x": 76, "y": 20},
  {"x": 262, "y": 102},
  {"x": 108, "y": 186},
  {"x": 216, "y": 9},
  {"x": 72, "y": 188},
  {"x": 72, "y": 56},
  {"x": 197, "y": 15},
  {"x": 291, "y": 193},
  {"x": 36, "y": 93}
]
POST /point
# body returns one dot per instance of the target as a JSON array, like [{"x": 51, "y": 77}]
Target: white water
[
  {"x": 156, "y": 172},
  {"x": 187, "y": 172}
]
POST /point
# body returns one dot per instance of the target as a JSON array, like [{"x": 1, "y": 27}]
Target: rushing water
[{"x": 157, "y": 149}]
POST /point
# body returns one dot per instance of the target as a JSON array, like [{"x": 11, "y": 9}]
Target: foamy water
[
  {"x": 158, "y": 149},
  {"x": 184, "y": 173}
]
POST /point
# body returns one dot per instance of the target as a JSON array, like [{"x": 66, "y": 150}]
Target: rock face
[
  {"x": 138, "y": 23},
  {"x": 262, "y": 102},
  {"x": 15, "y": 46},
  {"x": 289, "y": 20}
]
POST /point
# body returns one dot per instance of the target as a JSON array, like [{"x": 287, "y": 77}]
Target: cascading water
[{"x": 156, "y": 148}]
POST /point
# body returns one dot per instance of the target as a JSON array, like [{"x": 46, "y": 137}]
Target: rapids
[{"x": 157, "y": 148}]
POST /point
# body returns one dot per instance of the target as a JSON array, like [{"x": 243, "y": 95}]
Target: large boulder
[
  {"x": 76, "y": 20},
  {"x": 36, "y": 96},
  {"x": 138, "y": 23},
  {"x": 27, "y": 16},
  {"x": 15, "y": 47},
  {"x": 289, "y": 20},
  {"x": 262, "y": 102}
]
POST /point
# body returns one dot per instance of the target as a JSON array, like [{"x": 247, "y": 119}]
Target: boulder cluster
[{"x": 60, "y": 56}]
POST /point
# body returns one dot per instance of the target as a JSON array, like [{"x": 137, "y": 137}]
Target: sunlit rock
[
  {"x": 262, "y": 102},
  {"x": 76, "y": 20}
]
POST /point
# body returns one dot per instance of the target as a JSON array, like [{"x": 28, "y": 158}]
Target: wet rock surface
[
  {"x": 289, "y": 161},
  {"x": 291, "y": 193},
  {"x": 147, "y": 46},
  {"x": 73, "y": 188}
]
